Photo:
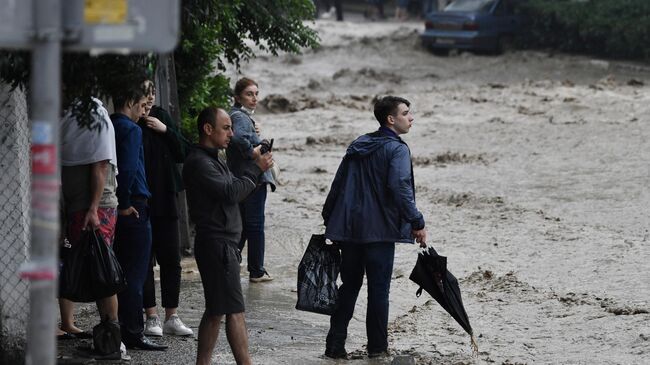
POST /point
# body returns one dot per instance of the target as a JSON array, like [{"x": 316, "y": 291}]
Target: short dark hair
[
  {"x": 132, "y": 93},
  {"x": 388, "y": 106},
  {"x": 207, "y": 116}
]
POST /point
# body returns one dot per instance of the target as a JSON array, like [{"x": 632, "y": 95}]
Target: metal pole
[{"x": 45, "y": 113}]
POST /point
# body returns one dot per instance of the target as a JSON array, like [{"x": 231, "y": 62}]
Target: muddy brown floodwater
[{"x": 532, "y": 171}]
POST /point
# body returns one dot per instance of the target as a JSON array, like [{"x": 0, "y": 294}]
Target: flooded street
[{"x": 532, "y": 172}]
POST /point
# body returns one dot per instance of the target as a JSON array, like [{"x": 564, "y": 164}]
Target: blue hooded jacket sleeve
[
  {"x": 372, "y": 197},
  {"x": 400, "y": 182},
  {"x": 335, "y": 190}
]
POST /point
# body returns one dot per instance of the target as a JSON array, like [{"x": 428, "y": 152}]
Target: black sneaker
[
  {"x": 336, "y": 353},
  {"x": 373, "y": 355}
]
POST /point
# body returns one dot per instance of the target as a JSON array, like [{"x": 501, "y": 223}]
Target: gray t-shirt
[
  {"x": 76, "y": 188},
  {"x": 80, "y": 148},
  {"x": 81, "y": 145}
]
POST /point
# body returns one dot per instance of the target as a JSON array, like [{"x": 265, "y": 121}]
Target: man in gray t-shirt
[{"x": 89, "y": 201}]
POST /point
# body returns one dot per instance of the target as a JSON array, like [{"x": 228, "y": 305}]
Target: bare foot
[{"x": 73, "y": 330}]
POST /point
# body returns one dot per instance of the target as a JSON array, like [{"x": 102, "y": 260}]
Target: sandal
[{"x": 66, "y": 336}]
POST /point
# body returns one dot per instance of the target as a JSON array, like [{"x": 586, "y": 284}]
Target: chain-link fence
[{"x": 14, "y": 220}]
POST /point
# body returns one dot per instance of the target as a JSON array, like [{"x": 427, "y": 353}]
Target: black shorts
[{"x": 218, "y": 262}]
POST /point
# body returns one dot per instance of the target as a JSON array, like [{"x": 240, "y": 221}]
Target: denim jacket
[{"x": 243, "y": 141}]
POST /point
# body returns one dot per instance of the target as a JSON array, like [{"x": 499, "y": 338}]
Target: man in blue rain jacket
[{"x": 370, "y": 206}]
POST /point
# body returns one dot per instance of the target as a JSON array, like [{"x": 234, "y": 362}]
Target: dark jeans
[
  {"x": 252, "y": 214},
  {"x": 376, "y": 261},
  {"x": 166, "y": 250},
  {"x": 133, "y": 250}
]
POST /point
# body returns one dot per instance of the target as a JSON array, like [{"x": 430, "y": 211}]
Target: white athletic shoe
[
  {"x": 152, "y": 327},
  {"x": 174, "y": 326},
  {"x": 262, "y": 279}
]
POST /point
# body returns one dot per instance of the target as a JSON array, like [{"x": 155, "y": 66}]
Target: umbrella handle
[{"x": 474, "y": 346}]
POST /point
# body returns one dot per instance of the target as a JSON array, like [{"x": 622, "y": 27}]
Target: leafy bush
[
  {"x": 208, "y": 91},
  {"x": 216, "y": 32},
  {"x": 82, "y": 76},
  {"x": 607, "y": 28},
  {"x": 213, "y": 32}
]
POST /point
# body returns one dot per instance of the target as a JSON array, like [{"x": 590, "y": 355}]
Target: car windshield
[{"x": 470, "y": 5}]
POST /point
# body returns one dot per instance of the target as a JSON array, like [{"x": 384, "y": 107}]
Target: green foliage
[
  {"x": 82, "y": 76},
  {"x": 218, "y": 32},
  {"x": 616, "y": 29},
  {"x": 103, "y": 76},
  {"x": 209, "y": 91},
  {"x": 213, "y": 33},
  {"x": 85, "y": 76},
  {"x": 273, "y": 25},
  {"x": 14, "y": 67}
]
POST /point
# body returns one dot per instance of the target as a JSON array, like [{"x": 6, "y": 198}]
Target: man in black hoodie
[{"x": 213, "y": 196}]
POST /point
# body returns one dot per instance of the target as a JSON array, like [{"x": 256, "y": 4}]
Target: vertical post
[
  {"x": 166, "y": 74},
  {"x": 45, "y": 113},
  {"x": 162, "y": 81}
]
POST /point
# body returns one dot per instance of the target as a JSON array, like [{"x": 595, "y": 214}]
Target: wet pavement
[{"x": 278, "y": 333}]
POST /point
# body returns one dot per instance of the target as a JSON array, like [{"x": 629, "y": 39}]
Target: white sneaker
[
  {"x": 123, "y": 354},
  {"x": 152, "y": 327},
  {"x": 262, "y": 279},
  {"x": 174, "y": 326},
  {"x": 328, "y": 14}
]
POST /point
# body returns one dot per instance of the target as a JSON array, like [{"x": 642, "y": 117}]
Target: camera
[{"x": 267, "y": 146}]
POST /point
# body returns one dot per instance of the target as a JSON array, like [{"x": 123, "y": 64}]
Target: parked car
[{"x": 486, "y": 25}]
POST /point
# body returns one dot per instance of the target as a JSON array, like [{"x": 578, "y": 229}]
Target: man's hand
[
  {"x": 256, "y": 152},
  {"x": 91, "y": 219},
  {"x": 420, "y": 237},
  {"x": 265, "y": 161},
  {"x": 128, "y": 211},
  {"x": 155, "y": 124}
]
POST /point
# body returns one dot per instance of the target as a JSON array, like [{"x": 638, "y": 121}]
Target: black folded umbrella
[{"x": 431, "y": 274}]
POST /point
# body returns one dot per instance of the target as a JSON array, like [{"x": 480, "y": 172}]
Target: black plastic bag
[
  {"x": 90, "y": 270},
  {"x": 107, "y": 274},
  {"x": 75, "y": 281},
  {"x": 317, "y": 274}
]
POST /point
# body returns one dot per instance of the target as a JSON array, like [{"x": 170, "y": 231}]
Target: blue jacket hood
[{"x": 367, "y": 144}]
